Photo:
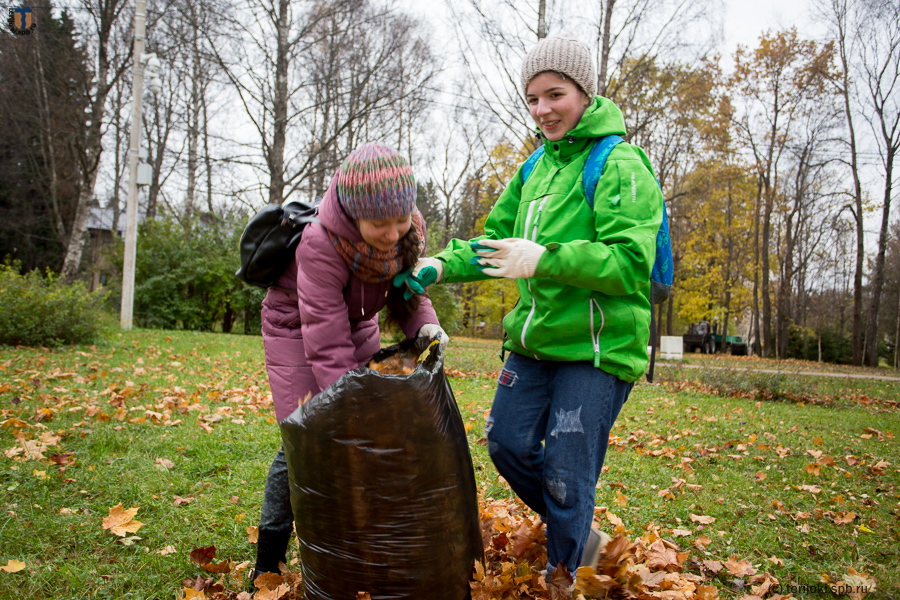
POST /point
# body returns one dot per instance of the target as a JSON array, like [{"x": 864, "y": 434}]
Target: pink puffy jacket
[{"x": 322, "y": 321}]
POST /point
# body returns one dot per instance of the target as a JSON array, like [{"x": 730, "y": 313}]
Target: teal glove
[{"x": 426, "y": 272}]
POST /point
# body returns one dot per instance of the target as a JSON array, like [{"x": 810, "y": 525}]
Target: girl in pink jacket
[{"x": 321, "y": 320}]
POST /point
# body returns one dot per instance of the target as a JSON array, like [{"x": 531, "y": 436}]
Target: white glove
[
  {"x": 432, "y": 330},
  {"x": 429, "y": 262},
  {"x": 515, "y": 258}
]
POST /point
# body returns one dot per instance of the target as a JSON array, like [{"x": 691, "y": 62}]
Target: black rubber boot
[{"x": 270, "y": 550}]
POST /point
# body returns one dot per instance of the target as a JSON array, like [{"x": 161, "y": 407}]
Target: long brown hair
[{"x": 411, "y": 247}]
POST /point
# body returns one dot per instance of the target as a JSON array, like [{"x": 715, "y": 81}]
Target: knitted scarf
[{"x": 370, "y": 264}]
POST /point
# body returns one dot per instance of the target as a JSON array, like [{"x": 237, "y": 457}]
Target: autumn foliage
[{"x": 646, "y": 567}]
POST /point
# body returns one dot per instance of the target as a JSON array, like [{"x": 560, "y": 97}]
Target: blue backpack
[{"x": 663, "y": 273}]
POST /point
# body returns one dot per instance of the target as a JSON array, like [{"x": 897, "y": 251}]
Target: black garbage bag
[{"x": 382, "y": 485}]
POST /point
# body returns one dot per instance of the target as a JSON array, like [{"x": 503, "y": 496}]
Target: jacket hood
[
  {"x": 600, "y": 119},
  {"x": 333, "y": 217}
]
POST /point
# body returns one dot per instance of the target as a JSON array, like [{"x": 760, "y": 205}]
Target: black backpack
[{"x": 269, "y": 240}]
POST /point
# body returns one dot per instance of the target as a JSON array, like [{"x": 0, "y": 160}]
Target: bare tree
[
  {"x": 316, "y": 78},
  {"x": 867, "y": 36},
  {"x": 626, "y": 35},
  {"x": 106, "y": 27},
  {"x": 776, "y": 83},
  {"x": 367, "y": 77},
  {"x": 879, "y": 63}
]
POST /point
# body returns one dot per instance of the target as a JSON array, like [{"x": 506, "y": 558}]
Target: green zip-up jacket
[{"x": 589, "y": 297}]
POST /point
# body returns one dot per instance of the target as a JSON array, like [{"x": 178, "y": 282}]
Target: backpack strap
[
  {"x": 596, "y": 160},
  {"x": 528, "y": 165}
]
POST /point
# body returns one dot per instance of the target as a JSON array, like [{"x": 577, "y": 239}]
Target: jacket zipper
[
  {"x": 534, "y": 230},
  {"x": 595, "y": 339}
]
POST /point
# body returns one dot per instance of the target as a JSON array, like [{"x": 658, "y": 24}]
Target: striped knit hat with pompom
[{"x": 375, "y": 182}]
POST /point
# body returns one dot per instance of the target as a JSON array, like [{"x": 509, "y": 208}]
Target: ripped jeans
[{"x": 547, "y": 435}]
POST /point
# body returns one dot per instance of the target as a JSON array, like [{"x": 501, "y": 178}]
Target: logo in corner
[{"x": 21, "y": 20}]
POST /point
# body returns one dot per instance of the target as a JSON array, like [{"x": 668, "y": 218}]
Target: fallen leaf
[
  {"x": 703, "y": 519},
  {"x": 167, "y": 550},
  {"x": 269, "y": 580},
  {"x": 165, "y": 463},
  {"x": 129, "y": 541},
  {"x": 66, "y": 458},
  {"x": 252, "y": 534},
  {"x": 875, "y": 432},
  {"x": 742, "y": 567},
  {"x": 662, "y": 558},
  {"x": 856, "y": 585},
  {"x": 707, "y": 592},
  {"x": 842, "y": 518},
  {"x": 203, "y": 556},
  {"x": 560, "y": 583},
  {"x": 813, "y": 468},
  {"x": 121, "y": 521},
  {"x": 222, "y": 567},
  {"x": 13, "y": 566},
  {"x": 713, "y": 565},
  {"x": 266, "y": 593}
]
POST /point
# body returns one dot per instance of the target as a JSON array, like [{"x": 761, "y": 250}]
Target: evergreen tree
[{"x": 43, "y": 113}]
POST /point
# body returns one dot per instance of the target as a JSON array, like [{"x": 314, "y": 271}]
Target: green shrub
[
  {"x": 184, "y": 277},
  {"x": 804, "y": 343},
  {"x": 41, "y": 310}
]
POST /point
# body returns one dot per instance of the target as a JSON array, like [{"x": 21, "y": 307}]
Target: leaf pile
[{"x": 648, "y": 567}]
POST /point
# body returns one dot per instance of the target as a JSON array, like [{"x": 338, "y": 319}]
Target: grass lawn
[{"x": 795, "y": 476}]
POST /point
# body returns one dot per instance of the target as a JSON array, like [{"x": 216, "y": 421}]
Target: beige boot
[{"x": 596, "y": 543}]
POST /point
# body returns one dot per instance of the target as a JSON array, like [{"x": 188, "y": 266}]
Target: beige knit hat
[{"x": 565, "y": 55}]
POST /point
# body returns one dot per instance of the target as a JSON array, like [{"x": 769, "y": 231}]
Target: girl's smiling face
[
  {"x": 556, "y": 104},
  {"x": 383, "y": 234}
]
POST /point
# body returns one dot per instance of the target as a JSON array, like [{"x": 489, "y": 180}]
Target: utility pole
[
  {"x": 141, "y": 60},
  {"x": 137, "y": 92}
]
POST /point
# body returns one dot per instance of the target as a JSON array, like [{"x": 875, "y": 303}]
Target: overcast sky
[{"x": 745, "y": 20}]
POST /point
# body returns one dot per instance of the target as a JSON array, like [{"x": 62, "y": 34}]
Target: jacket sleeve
[
  {"x": 627, "y": 214},
  {"x": 322, "y": 277},
  {"x": 500, "y": 224}
]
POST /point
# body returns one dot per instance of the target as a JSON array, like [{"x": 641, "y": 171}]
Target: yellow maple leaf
[
  {"x": 13, "y": 566},
  {"x": 252, "y": 534},
  {"x": 121, "y": 521}
]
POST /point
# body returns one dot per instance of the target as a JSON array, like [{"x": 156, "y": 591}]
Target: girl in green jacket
[{"x": 578, "y": 335}]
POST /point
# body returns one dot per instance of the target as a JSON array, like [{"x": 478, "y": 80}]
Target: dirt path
[{"x": 816, "y": 373}]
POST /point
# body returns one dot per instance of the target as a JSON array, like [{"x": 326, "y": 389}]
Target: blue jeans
[{"x": 547, "y": 435}]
